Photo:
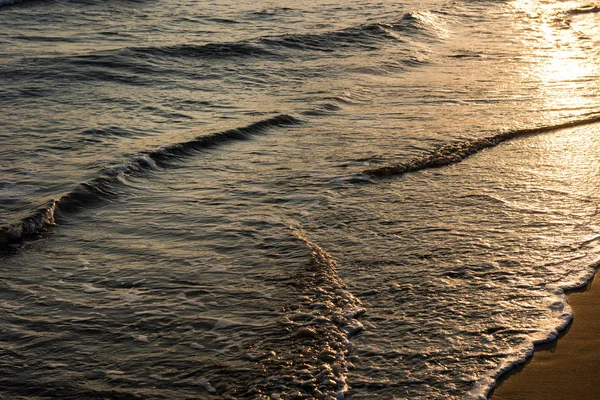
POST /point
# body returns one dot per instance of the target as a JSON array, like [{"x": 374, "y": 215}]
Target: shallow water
[{"x": 275, "y": 200}]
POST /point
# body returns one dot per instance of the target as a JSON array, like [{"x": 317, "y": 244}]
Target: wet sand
[{"x": 568, "y": 368}]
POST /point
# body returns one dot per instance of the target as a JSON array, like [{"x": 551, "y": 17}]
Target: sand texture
[{"x": 568, "y": 368}]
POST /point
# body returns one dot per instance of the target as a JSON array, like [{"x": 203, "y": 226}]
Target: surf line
[
  {"x": 453, "y": 153},
  {"x": 103, "y": 187},
  {"x": 320, "y": 328}
]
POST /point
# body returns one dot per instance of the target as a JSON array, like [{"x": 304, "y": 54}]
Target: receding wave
[
  {"x": 103, "y": 187},
  {"x": 315, "y": 363},
  {"x": 454, "y": 153}
]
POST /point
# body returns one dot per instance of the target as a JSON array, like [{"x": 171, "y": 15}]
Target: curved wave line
[
  {"x": 324, "y": 320},
  {"x": 366, "y": 36},
  {"x": 103, "y": 187},
  {"x": 453, "y": 153}
]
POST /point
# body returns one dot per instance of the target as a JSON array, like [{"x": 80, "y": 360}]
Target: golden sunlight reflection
[
  {"x": 561, "y": 67},
  {"x": 570, "y": 160}
]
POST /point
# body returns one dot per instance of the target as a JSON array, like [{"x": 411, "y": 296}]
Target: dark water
[{"x": 284, "y": 200}]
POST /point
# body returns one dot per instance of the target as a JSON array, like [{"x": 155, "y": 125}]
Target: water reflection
[
  {"x": 560, "y": 65},
  {"x": 562, "y": 70},
  {"x": 570, "y": 161}
]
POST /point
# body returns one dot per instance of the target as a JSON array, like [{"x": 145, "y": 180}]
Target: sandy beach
[{"x": 568, "y": 368}]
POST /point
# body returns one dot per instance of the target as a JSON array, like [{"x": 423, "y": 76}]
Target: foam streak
[
  {"x": 104, "y": 187},
  {"x": 453, "y": 153}
]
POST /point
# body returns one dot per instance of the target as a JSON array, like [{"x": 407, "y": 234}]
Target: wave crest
[
  {"x": 103, "y": 187},
  {"x": 315, "y": 363},
  {"x": 454, "y": 153}
]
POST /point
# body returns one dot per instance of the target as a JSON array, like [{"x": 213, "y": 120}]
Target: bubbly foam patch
[{"x": 319, "y": 328}]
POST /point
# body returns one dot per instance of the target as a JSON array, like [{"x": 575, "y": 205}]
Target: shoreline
[{"x": 567, "y": 367}]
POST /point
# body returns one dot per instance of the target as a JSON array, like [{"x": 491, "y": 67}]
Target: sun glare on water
[{"x": 559, "y": 66}]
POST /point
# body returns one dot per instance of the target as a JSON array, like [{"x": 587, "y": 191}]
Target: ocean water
[{"x": 291, "y": 200}]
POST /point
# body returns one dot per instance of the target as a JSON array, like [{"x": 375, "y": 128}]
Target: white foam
[{"x": 562, "y": 315}]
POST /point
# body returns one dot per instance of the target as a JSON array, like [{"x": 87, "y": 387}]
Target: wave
[
  {"x": 319, "y": 329},
  {"x": 454, "y": 153},
  {"x": 147, "y": 66},
  {"x": 588, "y": 9},
  {"x": 361, "y": 37},
  {"x": 209, "y": 50},
  {"x": 136, "y": 66},
  {"x": 103, "y": 187},
  {"x": 366, "y": 36}
]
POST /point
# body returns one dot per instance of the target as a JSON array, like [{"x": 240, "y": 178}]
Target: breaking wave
[
  {"x": 319, "y": 329},
  {"x": 366, "y": 36},
  {"x": 454, "y": 153},
  {"x": 363, "y": 36},
  {"x": 103, "y": 187}
]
